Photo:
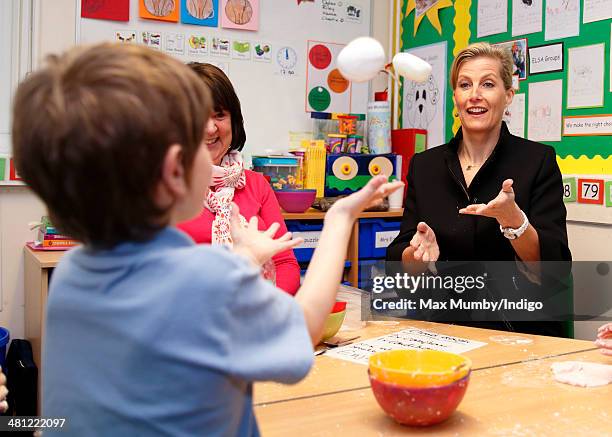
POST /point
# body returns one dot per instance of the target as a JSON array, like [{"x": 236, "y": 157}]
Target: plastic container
[
  {"x": 368, "y": 269},
  {"x": 283, "y": 172},
  {"x": 335, "y": 143},
  {"x": 323, "y": 124},
  {"x": 375, "y": 235},
  {"x": 379, "y": 127},
  {"x": 5, "y": 337},
  {"x": 311, "y": 232}
]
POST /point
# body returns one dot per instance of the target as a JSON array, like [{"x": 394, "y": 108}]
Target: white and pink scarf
[{"x": 226, "y": 177}]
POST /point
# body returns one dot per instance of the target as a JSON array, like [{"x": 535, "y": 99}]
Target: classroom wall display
[
  {"x": 562, "y": 19},
  {"x": 424, "y": 102},
  {"x": 240, "y": 14},
  {"x": 546, "y": 59},
  {"x": 596, "y": 10},
  {"x": 117, "y": 10},
  {"x": 326, "y": 89},
  {"x": 267, "y": 67},
  {"x": 162, "y": 10},
  {"x": 526, "y": 17},
  {"x": 585, "y": 78},
  {"x": 579, "y": 135},
  {"x": 200, "y": 12},
  {"x": 518, "y": 50},
  {"x": 492, "y": 17}
]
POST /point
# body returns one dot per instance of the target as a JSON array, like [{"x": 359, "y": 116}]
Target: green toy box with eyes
[{"x": 347, "y": 173}]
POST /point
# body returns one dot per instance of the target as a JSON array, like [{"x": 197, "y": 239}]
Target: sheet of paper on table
[{"x": 411, "y": 338}]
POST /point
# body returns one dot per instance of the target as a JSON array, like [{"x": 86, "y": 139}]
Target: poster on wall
[
  {"x": 492, "y": 17},
  {"x": 153, "y": 40},
  {"x": 515, "y": 116},
  {"x": 326, "y": 89},
  {"x": 424, "y": 103},
  {"x": 200, "y": 12},
  {"x": 518, "y": 50},
  {"x": 546, "y": 59},
  {"x": 115, "y": 10},
  {"x": 596, "y": 10},
  {"x": 544, "y": 113},
  {"x": 562, "y": 19},
  {"x": 526, "y": 17},
  {"x": 240, "y": 14},
  {"x": 585, "y": 76},
  {"x": 162, "y": 10}
]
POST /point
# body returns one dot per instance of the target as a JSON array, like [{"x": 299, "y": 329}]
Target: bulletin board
[
  {"x": 268, "y": 66},
  {"x": 582, "y": 159}
]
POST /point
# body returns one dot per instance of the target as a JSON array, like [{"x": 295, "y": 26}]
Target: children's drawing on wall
[
  {"x": 526, "y": 17},
  {"x": 153, "y": 40},
  {"x": 353, "y": 12},
  {"x": 163, "y": 10},
  {"x": 117, "y": 10},
  {"x": 240, "y": 14},
  {"x": 423, "y": 103},
  {"x": 585, "y": 79},
  {"x": 200, "y": 12},
  {"x": 544, "y": 112},
  {"x": 423, "y": 6},
  {"x": 125, "y": 36},
  {"x": 200, "y": 9},
  {"x": 514, "y": 116},
  {"x": 518, "y": 50},
  {"x": 159, "y": 8}
]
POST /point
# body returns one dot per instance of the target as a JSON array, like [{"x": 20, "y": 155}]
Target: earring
[{"x": 507, "y": 113}]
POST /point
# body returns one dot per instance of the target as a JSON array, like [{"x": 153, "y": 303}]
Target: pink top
[{"x": 255, "y": 199}]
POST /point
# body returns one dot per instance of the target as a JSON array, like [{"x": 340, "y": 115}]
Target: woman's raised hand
[
  {"x": 503, "y": 208},
  {"x": 372, "y": 194},
  {"x": 423, "y": 246},
  {"x": 259, "y": 246},
  {"x": 604, "y": 339}
]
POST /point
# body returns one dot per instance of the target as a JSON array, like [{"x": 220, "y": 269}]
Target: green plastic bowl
[{"x": 333, "y": 324}]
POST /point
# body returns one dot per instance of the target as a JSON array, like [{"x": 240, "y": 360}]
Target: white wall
[
  {"x": 55, "y": 30},
  {"x": 54, "y": 23}
]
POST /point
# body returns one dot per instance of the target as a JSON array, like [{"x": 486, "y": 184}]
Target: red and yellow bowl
[{"x": 419, "y": 387}]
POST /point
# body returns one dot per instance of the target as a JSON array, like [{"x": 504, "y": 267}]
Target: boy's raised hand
[
  {"x": 372, "y": 194},
  {"x": 258, "y": 246}
]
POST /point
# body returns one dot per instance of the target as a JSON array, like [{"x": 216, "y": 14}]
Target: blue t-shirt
[{"x": 165, "y": 338}]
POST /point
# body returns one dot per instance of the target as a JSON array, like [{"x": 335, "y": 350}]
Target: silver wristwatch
[{"x": 512, "y": 233}]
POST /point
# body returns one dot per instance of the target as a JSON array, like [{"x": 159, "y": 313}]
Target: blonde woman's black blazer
[{"x": 437, "y": 190}]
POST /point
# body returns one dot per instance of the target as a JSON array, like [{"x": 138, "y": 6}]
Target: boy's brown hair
[{"x": 90, "y": 132}]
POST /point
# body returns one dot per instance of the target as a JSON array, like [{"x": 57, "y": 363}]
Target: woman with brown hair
[{"x": 231, "y": 183}]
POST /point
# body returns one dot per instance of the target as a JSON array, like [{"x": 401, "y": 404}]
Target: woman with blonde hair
[{"x": 486, "y": 195}]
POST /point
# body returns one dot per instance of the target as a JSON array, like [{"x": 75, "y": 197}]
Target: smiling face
[
  {"x": 480, "y": 95},
  {"x": 218, "y": 135}
]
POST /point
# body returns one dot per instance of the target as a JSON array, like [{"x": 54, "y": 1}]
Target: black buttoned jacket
[{"x": 436, "y": 190}]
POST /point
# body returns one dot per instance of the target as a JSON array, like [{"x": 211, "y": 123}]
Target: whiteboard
[{"x": 272, "y": 94}]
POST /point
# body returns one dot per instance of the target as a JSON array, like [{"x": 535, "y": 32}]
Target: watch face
[{"x": 286, "y": 58}]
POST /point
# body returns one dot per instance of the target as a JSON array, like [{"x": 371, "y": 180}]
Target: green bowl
[{"x": 333, "y": 324}]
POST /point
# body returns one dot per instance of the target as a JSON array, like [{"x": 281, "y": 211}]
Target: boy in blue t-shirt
[{"x": 147, "y": 333}]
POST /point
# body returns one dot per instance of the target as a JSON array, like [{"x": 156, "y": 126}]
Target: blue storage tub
[
  {"x": 375, "y": 235},
  {"x": 368, "y": 269},
  {"x": 310, "y": 231}
]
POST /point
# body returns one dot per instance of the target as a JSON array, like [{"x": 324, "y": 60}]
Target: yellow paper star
[{"x": 432, "y": 12}]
